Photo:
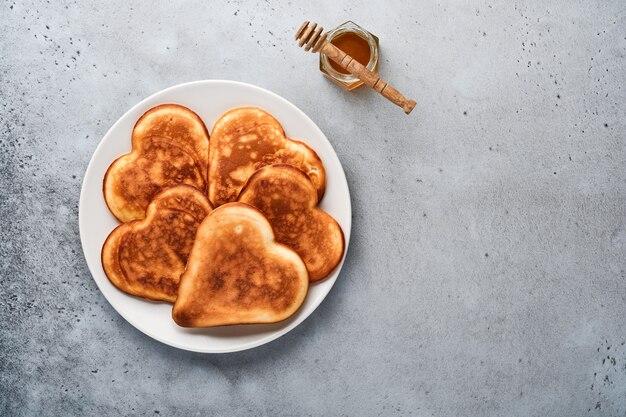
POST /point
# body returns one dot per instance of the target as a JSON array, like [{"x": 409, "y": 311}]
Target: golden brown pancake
[
  {"x": 247, "y": 138},
  {"x": 170, "y": 145},
  {"x": 289, "y": 201},
  {"x": 146, "y": 257},
  {"x": 238, "y": 274}
]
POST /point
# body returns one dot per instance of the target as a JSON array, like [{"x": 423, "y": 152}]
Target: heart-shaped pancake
[
  {"x": 238, "y": 274},
  {"x": 247, "y": 138},
  {"x": 289, "y": 201},
  {"x": 146, "y": 257},
  {"x": 170, "y": 145}
]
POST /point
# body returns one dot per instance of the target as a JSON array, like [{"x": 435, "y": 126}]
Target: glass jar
[{"x": 349, "y": 29}]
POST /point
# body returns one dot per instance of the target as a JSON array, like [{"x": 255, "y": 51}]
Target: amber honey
[
  {"x": 356, "y": 42},
  {"x": 355, "y": 46}
]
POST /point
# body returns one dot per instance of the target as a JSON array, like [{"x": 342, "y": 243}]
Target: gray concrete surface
[{"x": 486, "y": 272}]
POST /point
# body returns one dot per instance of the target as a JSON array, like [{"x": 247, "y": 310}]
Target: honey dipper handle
[{"x": 368, "y": 77}]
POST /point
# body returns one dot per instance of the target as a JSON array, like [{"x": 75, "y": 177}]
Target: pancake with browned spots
[
  {"x": 170, "y": 145},
  {"x": 146, "y": 257},
  {"x": 238, "y": 274},
  {"x": 246, "y": 139},
  {"x": 289, "y": 201}
]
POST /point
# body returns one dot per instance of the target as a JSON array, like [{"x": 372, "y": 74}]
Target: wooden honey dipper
[{"x": 311, "y": 37}]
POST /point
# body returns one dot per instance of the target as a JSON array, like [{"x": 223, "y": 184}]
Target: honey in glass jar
[{"x": 356, "y": 42}]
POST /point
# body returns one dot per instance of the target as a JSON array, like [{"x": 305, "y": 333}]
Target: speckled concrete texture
[{"x": 486, "y": 274}]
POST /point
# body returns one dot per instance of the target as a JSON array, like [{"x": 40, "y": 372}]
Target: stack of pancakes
[{"x": 224, "y": 225}]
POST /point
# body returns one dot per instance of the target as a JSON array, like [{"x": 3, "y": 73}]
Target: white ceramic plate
[{"x": 209, "y": 99}]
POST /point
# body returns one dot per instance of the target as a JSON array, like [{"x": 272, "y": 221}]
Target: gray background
[{"x": 486, "y": 271}]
